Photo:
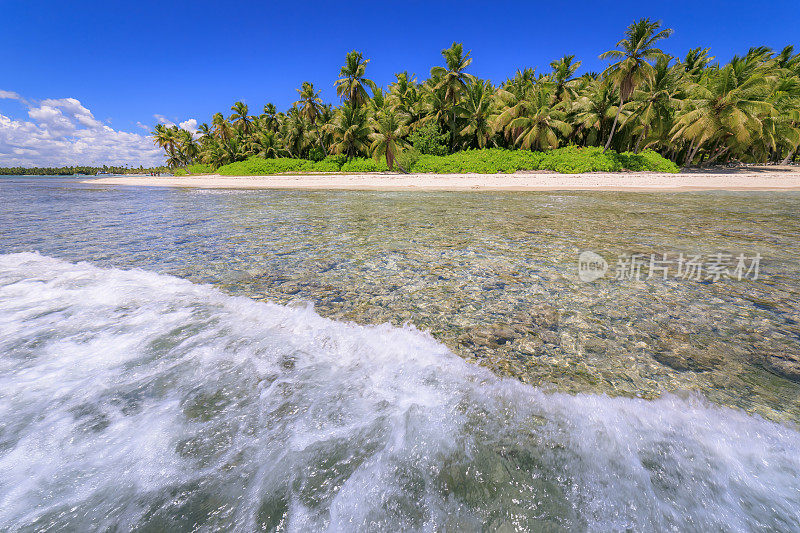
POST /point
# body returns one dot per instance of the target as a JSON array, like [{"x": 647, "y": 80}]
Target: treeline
[
  {"x": 69, "y": 171},
  {"x": 691, "y": 110}
]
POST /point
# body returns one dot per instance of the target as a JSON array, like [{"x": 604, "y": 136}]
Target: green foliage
[
  {"x": 197, "y": 168},
  {"x": 487, "y": 161},
  {"x": 428, "y": 139},
  {"x": 568, "y": 160},
  {"x": 326, "y": 165},
  {"x": 316, "y": 154},
  {"x": 647, "y": 160},
  {"x": 408, "y": 158},
  {"x": 359, "y": 164},
  {"x": 337, "y": 159},
  {"x": 255, "y": 166},
  {"x": 84, "y": 170},
  {"x": 574, "y": 160},
  {"x": 692, "y": 111}
]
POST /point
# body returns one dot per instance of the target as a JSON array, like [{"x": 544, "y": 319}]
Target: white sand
[{"x": 752, "y": 178}]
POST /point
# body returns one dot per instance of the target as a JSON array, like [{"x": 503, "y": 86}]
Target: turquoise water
[{"x": 313, "y": 360}]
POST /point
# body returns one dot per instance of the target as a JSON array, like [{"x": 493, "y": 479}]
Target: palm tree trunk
[
  {"x": 614, "y": 125},
  {"x": 639, "y": 141},
  {"x": 788, "y": 157},
  {"x": 719, "y": 153},
  {"x": 688, "y": 155},
  {"x": 389, "y": 159},
  {"x": 694, "y": 153},
  {"x": 452, "y": 131}
]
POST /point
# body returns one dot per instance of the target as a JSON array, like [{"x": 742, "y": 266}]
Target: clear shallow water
[{"x": 140, "y": 400}]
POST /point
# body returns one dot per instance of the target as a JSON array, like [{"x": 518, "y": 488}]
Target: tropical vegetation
[
  {"x": 71, "y": 171},
  {"x": 647, "y": 111}
]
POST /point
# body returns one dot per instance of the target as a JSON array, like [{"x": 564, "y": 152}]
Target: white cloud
[
  {"x": 9, "y": 95},
  {"x": 189, "y": 125},
  {"x": 62, "y": 132},
  {"x": 163, "y": 120}
]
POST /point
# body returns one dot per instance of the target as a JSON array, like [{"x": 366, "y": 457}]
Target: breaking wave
[{"x": 133, "y": 400}]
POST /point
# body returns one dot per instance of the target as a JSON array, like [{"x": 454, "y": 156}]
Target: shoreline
[{"x": 755, "y": 179}]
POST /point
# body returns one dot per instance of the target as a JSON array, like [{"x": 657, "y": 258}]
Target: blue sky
[{"x": 126, "y": 62}]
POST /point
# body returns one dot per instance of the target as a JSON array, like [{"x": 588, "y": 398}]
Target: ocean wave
[{"x": 136, "y": 400}]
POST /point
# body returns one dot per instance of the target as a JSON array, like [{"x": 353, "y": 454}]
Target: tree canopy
[{"x": 692, "y": 110}]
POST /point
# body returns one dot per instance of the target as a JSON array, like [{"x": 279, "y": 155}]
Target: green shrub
[
  {"x": 316, "y": 154},
  {"x": 197, "y": 168},
  {"x": 339, "y": 159},
  {"x": 574, "y": 160},
  {"x": 567, "y": 160},
  {"x": 487, "y": 161},
  {"x": 326, "y": 165},
  {"x": 428, "y": 139},
  {"x": 360, "y": 164},
  {"x": 647, "y": 160},
  {"x": 256, "y": 166},
  {"x": 407, "y": 158}
]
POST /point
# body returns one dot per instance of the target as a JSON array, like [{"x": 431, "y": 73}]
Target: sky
[{"x": 84, "y": 82}]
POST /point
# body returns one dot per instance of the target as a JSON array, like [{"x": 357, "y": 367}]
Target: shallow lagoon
[
  {"x": 492, "y": 275},
  {"x": 225, "y": 387}
]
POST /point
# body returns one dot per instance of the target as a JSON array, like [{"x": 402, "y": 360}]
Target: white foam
[{"x": 129, "y": 398}]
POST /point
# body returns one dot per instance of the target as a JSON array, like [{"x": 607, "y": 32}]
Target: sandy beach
[{"x": 750, "y": 178}]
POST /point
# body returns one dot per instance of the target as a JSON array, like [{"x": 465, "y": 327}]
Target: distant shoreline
[{"x": 741, "y": 179}]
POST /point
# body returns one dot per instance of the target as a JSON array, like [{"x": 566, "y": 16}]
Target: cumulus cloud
[
  {"x": 189, "y": 125},
  {"x": 62, "y": 132}
]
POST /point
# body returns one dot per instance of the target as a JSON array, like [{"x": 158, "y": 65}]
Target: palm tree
[
  {"x": 214, "y": 154},
  {"x": 633, "y": 52},
  {"x": 295, "y": 132},
  {"x": 436, "y": 108},
  {"x": 240, "y": 119},
  {"x": 205, "y": 131},
  {"x": 533, "y": 122},
  {"x": 269, "y": 119},
  {"x": 594, "y": 111},
  {"x": 222, "y": 128},
  {"x": 453, "y": 80},
  {"x": 653, "y": 106},
  {"x": 522, "y": 82},
  {"x": 725, "y": 112},
  {"x": 696, "y": 61},
  {"x": 189, "y": 149},
  {"x": 563, "y": 70},
  {"x": 310, "y": 102},
  {"x": 350, "y": 131},
  {"x": 692, "y": 110},
  {"x": 164, "y": 137},
  {"x": 782, "y": 128},
  {"x": 266, "y": 145},
  {"x": 352, "y": 85},
  {"x": 387, "y": 139},
  {"x": 477, "y": 111}
]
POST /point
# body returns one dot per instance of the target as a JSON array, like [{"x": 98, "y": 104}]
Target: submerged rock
[
  {"x": 495, "y": 335},
  {"x": 784, "y": 364},
  {"x": 595, "y": 345},
  {"x": 688, "y": 357}
]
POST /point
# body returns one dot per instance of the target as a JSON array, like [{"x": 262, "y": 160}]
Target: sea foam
[{"x": 135, "y": 400}]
